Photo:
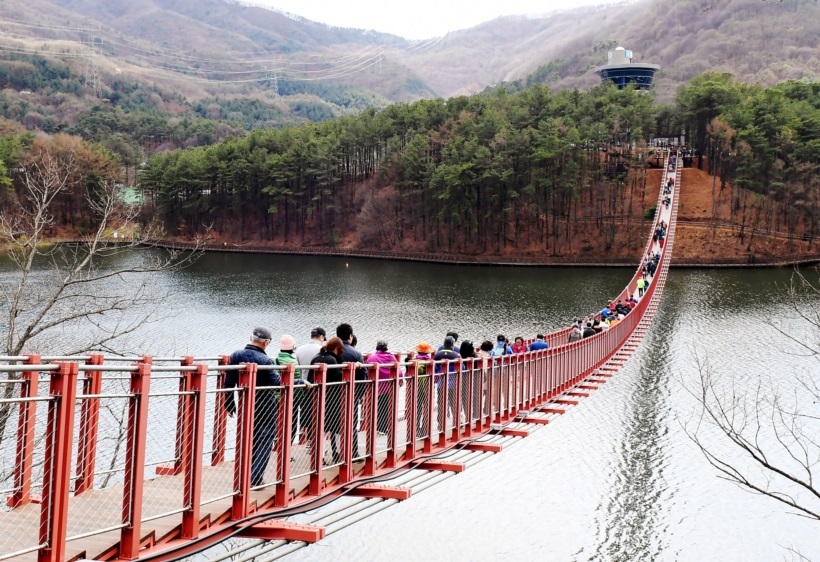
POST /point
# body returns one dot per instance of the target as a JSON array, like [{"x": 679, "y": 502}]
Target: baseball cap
[
  {"x": 262, "y": 333},
  {"x": 318, "y": 331}
]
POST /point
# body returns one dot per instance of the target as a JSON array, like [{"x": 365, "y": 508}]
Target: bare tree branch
[{"x": 773, "y": 423}]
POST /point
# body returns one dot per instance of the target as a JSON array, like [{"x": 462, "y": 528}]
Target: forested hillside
[{"x": 522, "y": 174}]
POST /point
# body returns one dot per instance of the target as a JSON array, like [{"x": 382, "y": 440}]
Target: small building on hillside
[{"x": 623, "y": 71}]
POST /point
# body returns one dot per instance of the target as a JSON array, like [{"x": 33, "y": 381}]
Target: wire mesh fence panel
[
  {"x": 302, "y": 440},
  {"x": 384, "y": 419},
  {"x": 359, "y": 409},
  {"x": 268, "y": 428},
  {"x": 367, "y": 415},
  {"x": 405, "y": 421},
  {"x": 168, "y": 435},
  {"x": 424, "y": 394},
  {"x": 465, "y": 399},
  {"x": 504, "y": 405},
  {"x": 335, "y": 412},
  {"x": 439, "y": 419},
  {"x": 486, "y": 399},
  {"x": 518, "y": 384},
  {"x": 111, "y": 434},
  {"x": 497, "y": 388},
  {"x": 220, "y": 446},
  {"x": 99, "y": 452},
  {"x": 23, "y": 428},
  {"x": 476, "y": 392}
]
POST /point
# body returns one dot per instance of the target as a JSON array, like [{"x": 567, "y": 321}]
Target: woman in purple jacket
[{"x": 386, "y": 360}]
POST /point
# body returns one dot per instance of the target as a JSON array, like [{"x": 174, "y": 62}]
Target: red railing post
[
  {"x": 220, "y": 417},
  {"x": 283, "y": 448},
  {"x": 192, "y": 463},
  {"x": 468, "y": 396},
  {"x": 457, "y": 399},
  {"x": 183, "y": 435},
  {"x": 371, "y": 397},
  {"x": 486, "y": 389},
  {"x": 443, "y": 398},
  {"x": 430, "y": 403},
  {"x": 515, "y": 375},
  {"x": 318, "y": 419},
  {"x": 349, "y": 418},
  {"x": 392, "y": 434},
  {"x": 57, "y": 469},
  {"x": 245, "y": 406},
  {"x": 26, "y": 423},
  {"x": 135, "y": 460}
]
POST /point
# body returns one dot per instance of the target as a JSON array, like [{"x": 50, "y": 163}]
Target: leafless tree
[
  {"x": 772, "y": 426},
  {"x": 67, "y": 299}
]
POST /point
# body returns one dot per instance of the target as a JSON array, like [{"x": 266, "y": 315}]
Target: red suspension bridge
[{"x": 135, "y": 458}]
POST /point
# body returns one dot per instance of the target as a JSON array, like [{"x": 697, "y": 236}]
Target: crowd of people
[{"x": 340, "y": 350}]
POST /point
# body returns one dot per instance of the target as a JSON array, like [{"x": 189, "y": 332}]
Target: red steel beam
[
  {"x": 278, "y": 530},
  {"x": 483, "y": 447},
  {"x": 192, "y": 463},
  {"x": 283, "y": 448},
  {"x": 385, "y": 492},
  {"x": 442, "y": 466},
  {"x": 57, "y": 469},
  {"x": 220, "y": 417},
  {"x": 135, "y": 460},
  {"x": 514, "y": 432},
  {"x": 244, "y": 441}
]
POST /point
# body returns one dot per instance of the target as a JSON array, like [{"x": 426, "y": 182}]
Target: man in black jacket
[
  {"x": 352, "y": 355},
  {"x": 266, "y": 405}
]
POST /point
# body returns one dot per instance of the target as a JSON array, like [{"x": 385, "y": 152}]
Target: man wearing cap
[
  {"x": 306, "y": 352},
  {"x": 266, "y": 404},
  {"x": 453, "y": 335},
  {"x": 352, "y": 355},
  {"x": 448, "y": 352}
]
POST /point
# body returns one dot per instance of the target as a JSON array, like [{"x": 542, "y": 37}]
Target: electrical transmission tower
[
  {"x": 92, "y": 71},
  {"x": 273, "y": 82}
]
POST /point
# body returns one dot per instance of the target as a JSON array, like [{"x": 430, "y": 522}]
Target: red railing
[{"x": 140, "y": 453}]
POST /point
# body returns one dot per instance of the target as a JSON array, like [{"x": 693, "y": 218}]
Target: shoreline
[
  {"x": 799, "y": 260},
  {"x": 723, "y": 263}
]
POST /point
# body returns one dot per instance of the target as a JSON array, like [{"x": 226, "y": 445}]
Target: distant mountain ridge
[{"x": 206, "y": 49}]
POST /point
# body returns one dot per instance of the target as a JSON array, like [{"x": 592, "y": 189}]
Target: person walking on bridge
[
  {"x": 331, "y": 354},
  {"x": 446, "y": 384},
  {"x": 352, "y": 355},
  {"x": 266, "y": 406},
  {"x": 385, "y": 360}
]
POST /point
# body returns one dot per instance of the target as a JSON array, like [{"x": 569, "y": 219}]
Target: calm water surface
[{"x": 616, "y": 478}]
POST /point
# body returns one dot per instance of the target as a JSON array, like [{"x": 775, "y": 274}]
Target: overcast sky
[{"x": 417, "y": 19}]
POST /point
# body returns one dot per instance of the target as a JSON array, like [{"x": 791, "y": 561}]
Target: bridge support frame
[{"x": 57, "y": 470}]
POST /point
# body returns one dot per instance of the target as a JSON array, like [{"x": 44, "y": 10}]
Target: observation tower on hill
[{"x": 623, "y": 71}]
